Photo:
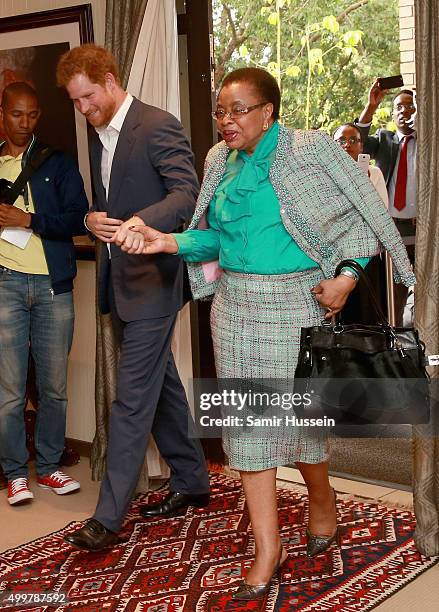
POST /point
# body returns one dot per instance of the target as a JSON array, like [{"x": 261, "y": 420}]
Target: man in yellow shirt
[{"x": 37, "y": 267}]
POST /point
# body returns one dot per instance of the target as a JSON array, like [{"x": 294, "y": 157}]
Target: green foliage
[
  {"x": 293, "y": 71},
  {"x": 273, "y": 19},
  {"x": 330, "y": 23},
  {"x": 330, "y": 52}
]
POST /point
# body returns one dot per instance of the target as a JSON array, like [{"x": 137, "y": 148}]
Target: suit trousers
[{"x": 150, "y": 398}]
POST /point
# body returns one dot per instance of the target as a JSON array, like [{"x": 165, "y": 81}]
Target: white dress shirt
[{"x": 109, "y": 136}]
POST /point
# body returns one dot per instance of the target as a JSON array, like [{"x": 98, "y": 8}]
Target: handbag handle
[{"x": 351, "y": 263}]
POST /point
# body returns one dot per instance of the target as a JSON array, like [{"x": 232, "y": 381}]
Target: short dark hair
[
  {"x": 403, "y": 91},
  {"x": 18, "y": 88},
  {"x": 262, "y": 81},
  {"x": 352, "y": 125}
]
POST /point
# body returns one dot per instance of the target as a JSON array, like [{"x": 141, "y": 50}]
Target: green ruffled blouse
[{"x": 245, "y": 230}]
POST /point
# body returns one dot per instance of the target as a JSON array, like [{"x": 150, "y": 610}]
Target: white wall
[{"x": 81, "y": 373}]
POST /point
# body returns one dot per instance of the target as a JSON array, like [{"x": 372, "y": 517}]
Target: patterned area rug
[{"x": 193, "y": 563}]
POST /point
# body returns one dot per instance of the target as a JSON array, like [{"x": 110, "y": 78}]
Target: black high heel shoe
[
  {"x": 317, "y": 544},
  {"x": 247, "y": 592}
]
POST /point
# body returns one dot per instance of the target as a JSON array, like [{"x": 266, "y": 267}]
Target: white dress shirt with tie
[{"x": 409, "y": 211}]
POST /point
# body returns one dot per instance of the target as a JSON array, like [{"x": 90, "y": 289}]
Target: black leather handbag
[{"x": 363, "y": 374}]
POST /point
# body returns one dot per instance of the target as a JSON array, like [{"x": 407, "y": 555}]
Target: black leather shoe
[
  {"x": 175, "y": 503},
  {"x": 93, "y": 536}
]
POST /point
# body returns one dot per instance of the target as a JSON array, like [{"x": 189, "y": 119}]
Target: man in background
[
  {"x": 37, "y": 268},
  {"x": 143, "y": 173},
  {"x": 395, "y": 155}
]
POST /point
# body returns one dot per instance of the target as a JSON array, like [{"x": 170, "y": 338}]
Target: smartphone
[
  {"x": 390, "y": 82},
  {"x": 363, "y": 162}
]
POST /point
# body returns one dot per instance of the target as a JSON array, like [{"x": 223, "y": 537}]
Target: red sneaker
[
  {"x": 59, "y": 482},
  {"x": 18, "y": 491}
]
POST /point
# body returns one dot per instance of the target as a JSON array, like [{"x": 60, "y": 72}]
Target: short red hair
[{"x": 93, "y": 61}]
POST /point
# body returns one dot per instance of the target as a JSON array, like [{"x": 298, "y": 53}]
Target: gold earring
[{"x": 265, "y": 127}]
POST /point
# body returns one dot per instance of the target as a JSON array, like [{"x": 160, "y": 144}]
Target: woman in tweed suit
[{"x": 281, "y": 208}]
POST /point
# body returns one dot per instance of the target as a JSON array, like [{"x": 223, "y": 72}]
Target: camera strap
[{"x": 33, "y": 163}]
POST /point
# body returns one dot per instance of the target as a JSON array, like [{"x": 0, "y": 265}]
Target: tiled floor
[
  {"x": 354, "y": 487},
  {"x": 49, "y": 512}
]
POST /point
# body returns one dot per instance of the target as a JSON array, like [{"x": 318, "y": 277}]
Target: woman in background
[{"x": 349, "y": 137}]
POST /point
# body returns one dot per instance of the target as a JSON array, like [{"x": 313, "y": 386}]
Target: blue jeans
[{"x": 31, "y": 316}]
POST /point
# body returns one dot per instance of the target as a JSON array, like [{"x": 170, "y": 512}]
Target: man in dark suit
[
  {"x": 395, "y": 155},
  {"x": 142, "y": 168}
]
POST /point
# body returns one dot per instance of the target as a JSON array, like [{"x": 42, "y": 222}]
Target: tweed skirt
[{"x": 256, "y": 322}]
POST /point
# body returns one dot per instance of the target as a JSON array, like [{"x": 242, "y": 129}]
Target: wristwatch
[{"x": 350, "y": 273}]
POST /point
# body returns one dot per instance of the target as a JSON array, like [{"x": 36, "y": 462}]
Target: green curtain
[
  {"x": 426, "y": 438},
  {"x": 123, "y": 22}
]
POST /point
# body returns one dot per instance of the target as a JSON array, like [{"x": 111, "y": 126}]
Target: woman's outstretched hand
[
  {"x": 153, "y": 241},
  {"x": 333, "y": 293}
]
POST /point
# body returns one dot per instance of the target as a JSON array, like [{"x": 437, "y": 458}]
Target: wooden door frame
[{"x": 196, "y": 24}]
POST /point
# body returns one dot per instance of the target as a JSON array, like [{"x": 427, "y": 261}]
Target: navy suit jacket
[
  {"x": 60, "y": 205},
  {"x": 153, "y": 177}
]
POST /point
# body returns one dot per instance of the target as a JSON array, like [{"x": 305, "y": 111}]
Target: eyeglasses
[
  {"x": 410, "y": 107},
  {"x": 235, "y": 113},
  {"x": 351, "y": 140}
]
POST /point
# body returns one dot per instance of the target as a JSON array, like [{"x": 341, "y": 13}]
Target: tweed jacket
[{"x": 327, "y": 204}]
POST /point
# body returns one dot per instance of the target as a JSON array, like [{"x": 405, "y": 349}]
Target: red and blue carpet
[{"x": 193, "y": 563}]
